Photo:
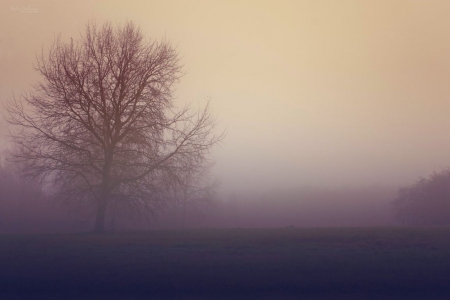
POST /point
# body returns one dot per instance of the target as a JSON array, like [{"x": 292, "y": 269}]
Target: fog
[
  {"x": 315, "y": 96},
  {"x": 25, "y": 209}
]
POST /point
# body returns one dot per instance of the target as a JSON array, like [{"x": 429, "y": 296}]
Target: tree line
[{"x": 426, "y": 202}]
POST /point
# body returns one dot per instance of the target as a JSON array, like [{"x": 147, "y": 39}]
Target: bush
[{"x": 426, "y": 202}]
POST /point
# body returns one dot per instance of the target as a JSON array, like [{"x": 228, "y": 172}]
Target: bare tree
[{"x": 102, "y": 126}]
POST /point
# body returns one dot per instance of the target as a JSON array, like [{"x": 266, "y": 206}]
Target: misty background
[{"x": 329, "y": 106}]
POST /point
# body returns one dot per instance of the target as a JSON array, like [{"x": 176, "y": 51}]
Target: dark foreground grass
[{"x": 286, "y": 263}]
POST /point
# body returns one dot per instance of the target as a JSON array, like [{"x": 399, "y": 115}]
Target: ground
[{"x": 282, "y": 263}]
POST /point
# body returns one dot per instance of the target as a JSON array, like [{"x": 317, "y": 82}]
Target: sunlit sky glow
[{"x": 310, "y": 92}]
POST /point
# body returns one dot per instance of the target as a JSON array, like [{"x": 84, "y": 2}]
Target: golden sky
[{"x": 311, "y": 92}]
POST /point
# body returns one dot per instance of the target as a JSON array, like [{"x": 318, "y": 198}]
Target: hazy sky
[{"x": 311, "y": 92}]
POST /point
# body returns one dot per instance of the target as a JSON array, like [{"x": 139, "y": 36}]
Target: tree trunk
[
  {"x": 100, "y": 217},
  {"x": 101, "y": 209},
  {"x": 104, "y": 193},
  {"x": 183, "y": 225}
]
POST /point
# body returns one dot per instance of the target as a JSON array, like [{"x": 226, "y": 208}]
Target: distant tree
[
  {"x": 190, "y": 189},
  {"x": 102, "y": 126},
  {"x": 426, "y": 202}
]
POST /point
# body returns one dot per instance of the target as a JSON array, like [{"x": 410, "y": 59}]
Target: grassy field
[{"x": 284, "y": 263}]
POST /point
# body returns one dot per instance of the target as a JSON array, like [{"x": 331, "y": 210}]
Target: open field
[{"x": 317, "y": 263}]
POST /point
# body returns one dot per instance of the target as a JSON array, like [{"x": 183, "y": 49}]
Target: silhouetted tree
[
  {"x": 426, "y": 202},
  {"x": 102, "y": 126}
]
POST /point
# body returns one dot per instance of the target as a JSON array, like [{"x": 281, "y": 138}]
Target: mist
[
  {"x": 339, "y": 96},
  {"x": 24, "y": 208},
  {"x": 229, "y": 149}
]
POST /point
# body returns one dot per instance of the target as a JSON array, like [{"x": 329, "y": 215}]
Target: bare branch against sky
[{"x": 101, "y": 125}]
